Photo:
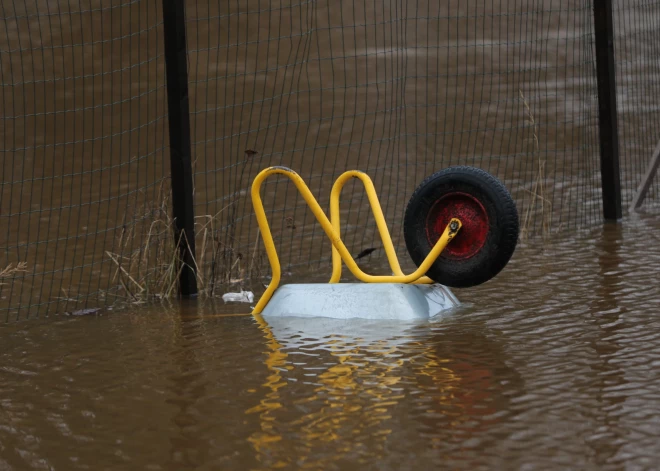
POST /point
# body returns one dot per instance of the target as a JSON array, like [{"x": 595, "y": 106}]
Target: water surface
[{"x": 552, "y": 365}]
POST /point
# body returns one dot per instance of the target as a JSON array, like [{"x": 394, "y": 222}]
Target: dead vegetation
[
  {"x": 11, "y": 270},
  {"x": 147, "y": 262},
  {"x": 539, "y": 199}
]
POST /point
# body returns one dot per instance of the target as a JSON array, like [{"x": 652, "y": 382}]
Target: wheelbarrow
[{"x": 460, "y": 227}]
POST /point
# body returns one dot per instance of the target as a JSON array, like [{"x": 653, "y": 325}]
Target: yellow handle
[
  {"x": 333, "y": 233},
  {"x": 378, "y": 216}
]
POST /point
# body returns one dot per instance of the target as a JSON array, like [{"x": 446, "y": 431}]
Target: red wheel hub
[{"x": 472, "y": 236}]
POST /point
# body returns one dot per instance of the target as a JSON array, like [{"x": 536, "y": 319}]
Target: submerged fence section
[{"x": 399, "y": 89}]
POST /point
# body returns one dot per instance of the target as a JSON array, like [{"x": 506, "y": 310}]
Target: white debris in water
[{"x": 242, "y": 297}]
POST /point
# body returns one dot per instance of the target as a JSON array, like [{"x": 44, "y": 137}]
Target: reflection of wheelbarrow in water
[
  {"x": 460, "y": 228},
  {"x": 347, "y": 388}
]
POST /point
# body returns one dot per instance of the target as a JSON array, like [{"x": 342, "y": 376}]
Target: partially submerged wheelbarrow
[{"x": 460, "y": 228}]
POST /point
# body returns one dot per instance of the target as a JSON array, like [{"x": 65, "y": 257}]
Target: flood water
[{"x": 552, "y": 365}]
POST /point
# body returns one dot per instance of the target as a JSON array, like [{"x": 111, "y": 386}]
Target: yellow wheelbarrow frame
[{"x": 332, "y": 229}]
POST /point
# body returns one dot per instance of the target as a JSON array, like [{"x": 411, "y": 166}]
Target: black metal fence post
[
  {"x": 176, "y": 65},
  {"x": 607, "y": 112}
]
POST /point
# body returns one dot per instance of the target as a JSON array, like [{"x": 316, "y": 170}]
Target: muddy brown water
[{"x": 552, "y": 365}]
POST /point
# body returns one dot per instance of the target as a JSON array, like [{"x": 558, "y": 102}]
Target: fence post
[
  {"x": 176, "y": 65},
  {"x": 607, "y": 112}
]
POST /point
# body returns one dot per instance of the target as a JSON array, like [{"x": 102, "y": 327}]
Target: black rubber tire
[{"x": 499, "y": 241}]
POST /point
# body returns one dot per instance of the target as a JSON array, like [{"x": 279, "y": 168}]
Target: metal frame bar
[
  {"x": 645, "y": 185},
  {"x": 378, "y": 216}
]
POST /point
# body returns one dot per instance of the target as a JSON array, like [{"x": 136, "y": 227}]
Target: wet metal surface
[{"x": 552, "y": 365}]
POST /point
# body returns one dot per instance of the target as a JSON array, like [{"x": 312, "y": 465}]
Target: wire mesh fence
[
  {"x": 81, "y": 148},
  {"x": 398, "y": 89},
  {"x": 637, "y": 43}
]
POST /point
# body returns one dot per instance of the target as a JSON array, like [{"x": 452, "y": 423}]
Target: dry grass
[
  {"x": 146, "y": 270},
  {"x": 11, "y": 270},
  {"x": 147, "y": 261},
  {"x": 538, "y": 193}
]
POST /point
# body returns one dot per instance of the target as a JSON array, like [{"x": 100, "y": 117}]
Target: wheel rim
[{"x": 472, "y": 236}]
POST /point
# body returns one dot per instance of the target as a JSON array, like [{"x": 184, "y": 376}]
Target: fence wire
[
  {"x": 398, "y": 89},
  {"x": 81, "y": 149},
  {"x": 637, "y": 47}
]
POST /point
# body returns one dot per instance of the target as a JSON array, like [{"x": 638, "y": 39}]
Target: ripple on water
[{"x": 551, "y": 365}]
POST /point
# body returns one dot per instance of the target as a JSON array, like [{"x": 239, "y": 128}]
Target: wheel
[{"x": 489, "y": 235}]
